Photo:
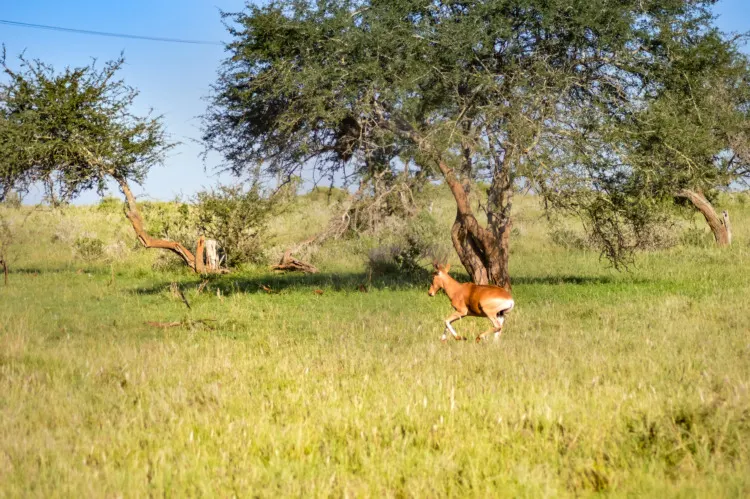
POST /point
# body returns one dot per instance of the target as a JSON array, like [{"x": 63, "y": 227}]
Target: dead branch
[
  {"x": 291, "y": 264},
  {"x": 177, "y": 292},
  {"x": 189, "y": 322}
]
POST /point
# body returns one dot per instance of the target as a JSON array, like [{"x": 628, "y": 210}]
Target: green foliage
[
  {"x": 693, "y": 132},
  {"x": 568, "y": 239},
  {"x": 328, "y": 194},
  {"x": 89, "y": 248},
  {"x": 419, "y": 242},
  {"x": 546, "y": 92},
  {"x": 424, "y": 233},
  {"x": 174, "y": 221},
  {"x": 237, "y": 218},
  {"x": 110, "y": 204},
  {"x": 71, "y": 130},
  {"x": 6, "y": 238}
]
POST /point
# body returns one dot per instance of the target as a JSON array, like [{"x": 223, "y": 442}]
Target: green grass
[{"x": 627, "y": 384}]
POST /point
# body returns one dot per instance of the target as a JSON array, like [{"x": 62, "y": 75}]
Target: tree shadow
[
  {"x": 273, "y": 283},
  {"x": 278, "y": 283},
  {"x": 561, "y": 279},
  {"x": 40, "y": 270}
]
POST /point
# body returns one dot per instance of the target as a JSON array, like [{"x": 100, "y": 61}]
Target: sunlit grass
[{"x": 631, "y": 383}]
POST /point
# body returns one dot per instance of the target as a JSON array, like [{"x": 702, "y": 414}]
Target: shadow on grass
[
  {"x": 276, "y": 283},
  {"x": 342, "y": 281},
  {"x": 561, "y": 279},
  {"x": 38, "y": 270}
]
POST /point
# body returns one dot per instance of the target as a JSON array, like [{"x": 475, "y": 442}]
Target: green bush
[
  {"x": 394, "y": 260},
  {"x": 694, "y": 236},
  {"x": 237, "y": 218},
  {"x": 419, "y": 241},
  {"x": 110, "y": 204},
  {"x": 569, "y": 239},
  {"x": 89, "y": 248}
]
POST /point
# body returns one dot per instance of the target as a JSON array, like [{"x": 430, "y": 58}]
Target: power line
[{"x": 105, "y": 33}]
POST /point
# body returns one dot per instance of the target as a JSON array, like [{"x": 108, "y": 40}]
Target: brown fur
[{"x": 472, "y": 300}]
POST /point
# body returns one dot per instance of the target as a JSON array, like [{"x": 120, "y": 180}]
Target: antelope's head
[{"x": 438, "y": 278}]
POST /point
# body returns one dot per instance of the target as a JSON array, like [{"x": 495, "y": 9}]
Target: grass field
[{"x": 626, "y": 384}]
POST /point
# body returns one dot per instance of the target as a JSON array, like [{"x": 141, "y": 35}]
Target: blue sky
[{"x": 173, "y": 78}]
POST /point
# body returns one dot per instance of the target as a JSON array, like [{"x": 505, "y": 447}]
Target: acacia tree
[
  {"x": 692, "y": 138},
  {"x": 495, "y": 89},
  {"x": 73, "y": 130}
]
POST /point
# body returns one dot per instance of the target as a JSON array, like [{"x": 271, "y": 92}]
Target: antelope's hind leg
[
  {"x": 501, "y": 320},
  {"x": 497, "y": 326}
]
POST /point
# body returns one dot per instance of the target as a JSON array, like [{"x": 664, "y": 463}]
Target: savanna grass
[{"x": 632, "y": 383}]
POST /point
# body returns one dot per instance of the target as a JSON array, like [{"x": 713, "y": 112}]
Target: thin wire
[{"x": 105, "y": 33}]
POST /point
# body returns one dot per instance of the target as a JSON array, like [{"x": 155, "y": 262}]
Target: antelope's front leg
[{"x": 453, "y": 317}]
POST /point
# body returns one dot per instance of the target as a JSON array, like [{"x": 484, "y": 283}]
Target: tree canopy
[
  {"x": 503, "y": 90},
  {"x": 72, "y": 129}
]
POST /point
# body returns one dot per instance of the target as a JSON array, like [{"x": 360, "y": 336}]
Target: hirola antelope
[{"x": 470, "y": 299}]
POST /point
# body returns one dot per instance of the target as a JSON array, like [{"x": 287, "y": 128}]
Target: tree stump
[{"x": 212, "y": 255}]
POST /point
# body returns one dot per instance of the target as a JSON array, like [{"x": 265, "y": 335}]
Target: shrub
[
  {"x": 174, "y": 221},
  {"x": 419, "y": 242},
  {"x": 110, "y": 204},
  {"x": 657, "y": 238},
  {"x": 67, "y": 230},
  {"x": 116, "y": 251},
  {"x": 166, "y": 261},
  {"x": 394, "y": 260},
  {"x": 89, "y": 248},
  {"x": 694, "y": 236},
  {"x": 569, "y": 239},
  {"x": 423, "y": 233},
  {"x": 6, "y": 237},
  {"x": 237, "y": 218}
]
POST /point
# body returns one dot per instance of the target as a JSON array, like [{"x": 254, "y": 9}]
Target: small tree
[
  {"x": 72, "y": 130},
  {"x": 237, "y": 219},
  {"x": 692, "y": 138}
]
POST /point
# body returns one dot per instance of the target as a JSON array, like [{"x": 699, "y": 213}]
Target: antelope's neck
[{"x": 451, "y": 286}]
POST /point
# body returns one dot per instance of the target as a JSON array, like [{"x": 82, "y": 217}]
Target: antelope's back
[{"x": 492, "y": 296}]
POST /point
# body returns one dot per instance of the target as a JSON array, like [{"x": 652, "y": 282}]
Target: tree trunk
[
  {"x": 482, "y": 253},
  {"x": 136, "y": 221},
  {"x": 721, "y": 228},
  {"x": 200, "y": 266},
  {"x": 499, "y": 207}
]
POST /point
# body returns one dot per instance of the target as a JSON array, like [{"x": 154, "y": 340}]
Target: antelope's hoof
[
  {"x": 461, "y": 338},
  {"x": 443, "y": 340},
  {"x": 479, "y": 339}
]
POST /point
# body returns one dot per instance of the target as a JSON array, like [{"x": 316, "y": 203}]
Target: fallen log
[{"x": 290, "y": 264}]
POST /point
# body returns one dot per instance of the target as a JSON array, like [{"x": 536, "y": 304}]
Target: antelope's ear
[
  {"x": 436, "y": 265},
  {"x": 447, "y": 267}
]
